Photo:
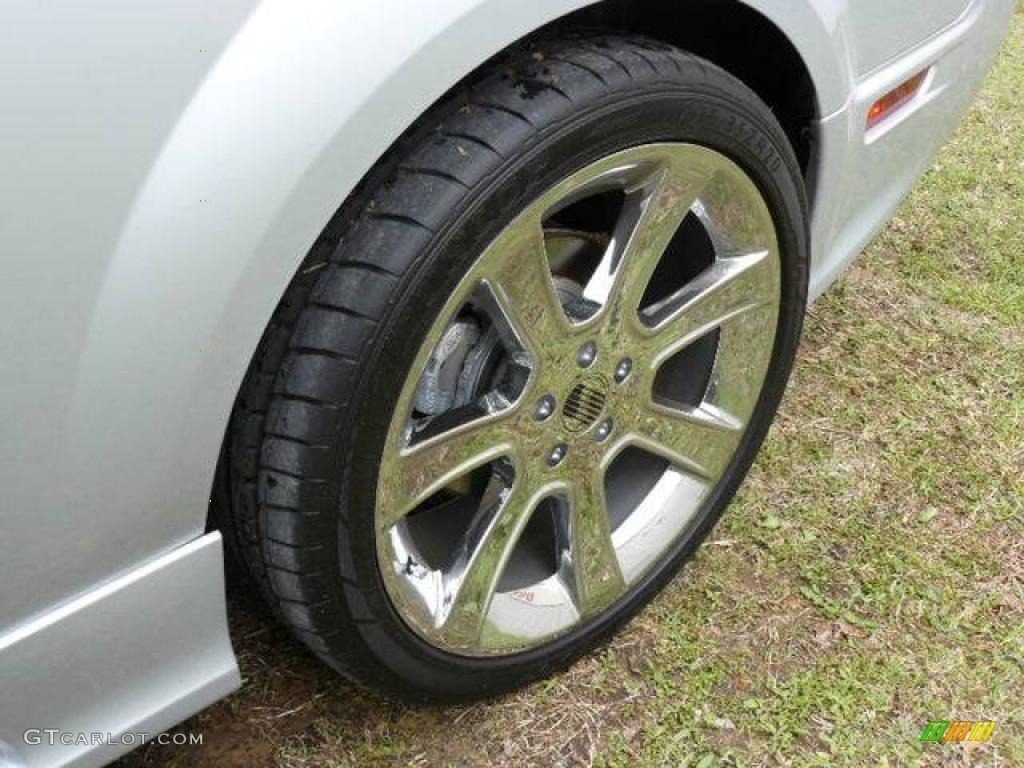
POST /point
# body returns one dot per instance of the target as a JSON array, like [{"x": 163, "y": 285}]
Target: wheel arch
[
  {"x": 289, "y": 120},
  {"x": 741, "y": 37}
]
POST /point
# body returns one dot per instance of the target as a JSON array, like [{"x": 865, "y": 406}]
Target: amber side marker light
[{"x": 896, "y": 98}]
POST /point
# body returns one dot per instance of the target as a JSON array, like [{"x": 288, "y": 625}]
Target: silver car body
[{"x": 165, "y": 167}]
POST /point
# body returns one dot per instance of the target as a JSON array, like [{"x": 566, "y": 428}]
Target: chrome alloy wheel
[{"x": 578, "y": 399}]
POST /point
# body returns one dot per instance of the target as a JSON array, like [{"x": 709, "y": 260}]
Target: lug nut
[
  {"x": 558, "y": 454},
  {"x": 588, "y": 354},
  {"x": 623, "y": 370},
  {"x": 604, "y": 431},
  {"x": 545, "y": 407}
]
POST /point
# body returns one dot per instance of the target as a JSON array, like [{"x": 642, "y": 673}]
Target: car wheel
[{"x": 524, "y": 369}]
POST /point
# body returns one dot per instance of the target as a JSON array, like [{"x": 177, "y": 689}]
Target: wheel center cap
[{"x": 585, "y": 404}]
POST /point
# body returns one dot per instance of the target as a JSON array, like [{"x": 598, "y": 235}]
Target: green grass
[{"x": 869, "y": 578}]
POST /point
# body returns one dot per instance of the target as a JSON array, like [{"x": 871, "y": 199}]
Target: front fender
[{"x": 299, "y": 105}]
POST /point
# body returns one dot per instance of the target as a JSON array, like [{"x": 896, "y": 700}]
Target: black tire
[{"x": 309, "y": 424}]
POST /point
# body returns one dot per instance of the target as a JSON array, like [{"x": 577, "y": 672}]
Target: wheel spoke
[
  {"x": 421, "y": 470},
  {"x": 729, "y": 288},
  {"x": 658, "y": 210},
  {"x": 520, "y": 276},
  {"x": 744, "y": 356},
  {"x": 470, "y": 585},
  {"x": 595, "y": 566},
  {"x": 699, "y": 441}
]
